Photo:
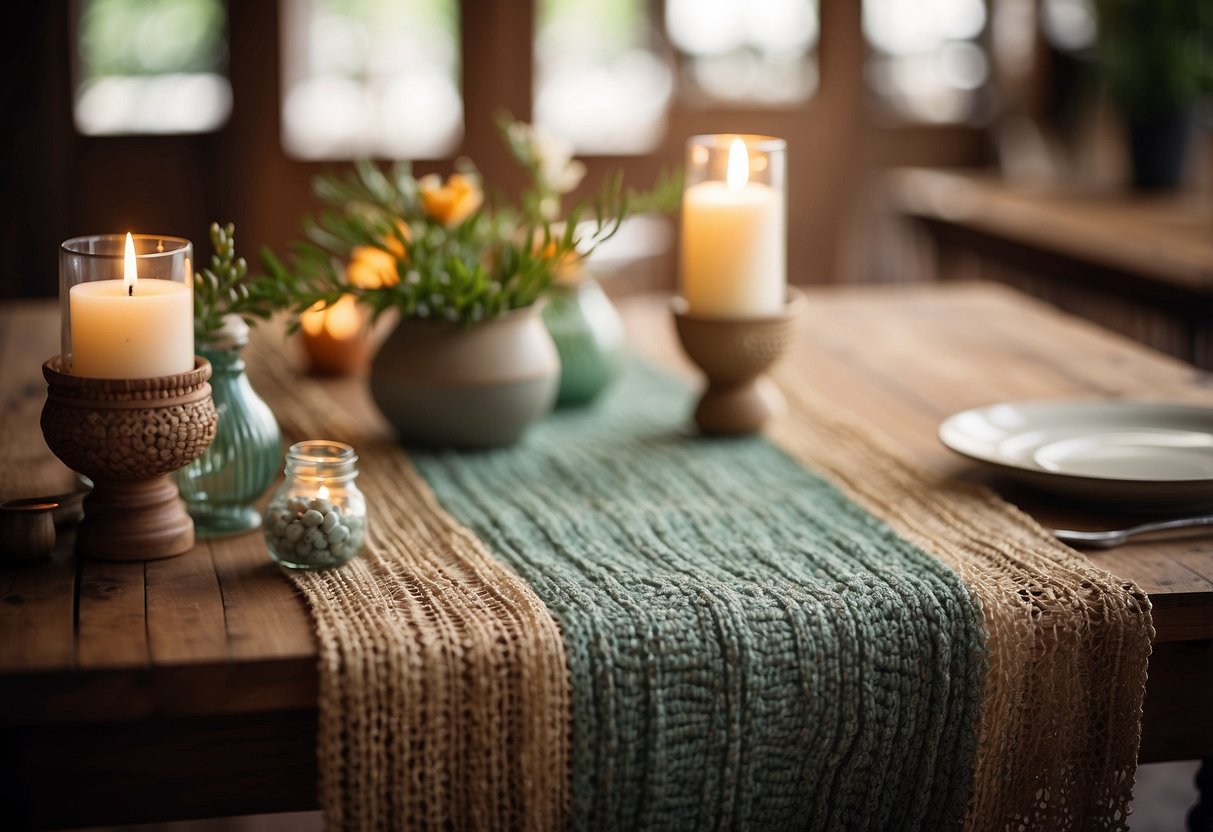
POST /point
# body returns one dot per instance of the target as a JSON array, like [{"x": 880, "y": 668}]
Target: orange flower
[
  {"x": 453, "y": 202},
  {"x": 392, "y": 242},
  {"x": 567, "y": 268},
  {"x": 373, "y": 268},
  {"x": 340, "y": 321}
]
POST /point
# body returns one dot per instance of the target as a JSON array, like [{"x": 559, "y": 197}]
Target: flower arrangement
[{"x": 441, "y": 250}]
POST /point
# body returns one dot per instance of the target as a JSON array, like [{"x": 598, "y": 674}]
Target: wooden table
[
  {"x": 1140, "y": 264},
  {"x": 187, "y": 687}
]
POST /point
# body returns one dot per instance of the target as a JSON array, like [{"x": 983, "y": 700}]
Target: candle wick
[{"x": 130, "y": 291}]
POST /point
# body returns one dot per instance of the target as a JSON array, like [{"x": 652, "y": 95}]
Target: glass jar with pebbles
[{"x": 317, "y": 518}]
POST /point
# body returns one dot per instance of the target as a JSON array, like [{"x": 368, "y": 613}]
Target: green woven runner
[{"x": 747, "y": 648}]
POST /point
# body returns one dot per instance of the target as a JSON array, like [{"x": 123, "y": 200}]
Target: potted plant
[
  {"x": 1156, "y": 57},
  {"x": 470, "y": 362}
]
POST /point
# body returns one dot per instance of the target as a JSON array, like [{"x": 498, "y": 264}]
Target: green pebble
[
  {"x": 322, "y": 506},
  {"x": 330, "y": 521},
  {"x": 338, "y": 534},
  {"x": 280, "y": 527},
  {"x": 320, "y": 543},
  {"x": 293, "y": 532},
  {"x": 297, "y": 505},
  {"x": 338, "y": 550},
  {"x": 311, "y": 517},
  {"x": 302, "y": 549},
  {"x": 312, "y": 535}
]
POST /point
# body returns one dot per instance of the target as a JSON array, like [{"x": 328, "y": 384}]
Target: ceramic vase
[
  {"x": 589, "y": 336},
  {"x": 446, "y": 384}
]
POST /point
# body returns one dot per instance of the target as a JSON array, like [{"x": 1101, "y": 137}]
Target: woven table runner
[
  {"x": 627, "y": 627},
  {"x": 443, "y": 689}
]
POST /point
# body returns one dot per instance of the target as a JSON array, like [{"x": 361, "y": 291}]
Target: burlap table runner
[{"x": 448, "y": 696}]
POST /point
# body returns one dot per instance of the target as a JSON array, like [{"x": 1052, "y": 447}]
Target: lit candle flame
[
  {"x": 341, "y": 320},
  {"x": 739, "y": 166},
  {"x": 323, "y": 492},
  {"x": 130, "y": 275}
]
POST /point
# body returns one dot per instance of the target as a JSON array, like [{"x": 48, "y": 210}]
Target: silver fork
[{"x": 1115, "y": 537}]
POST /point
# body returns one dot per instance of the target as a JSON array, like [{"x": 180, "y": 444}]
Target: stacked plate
[{"x": 1132, "y": 454}]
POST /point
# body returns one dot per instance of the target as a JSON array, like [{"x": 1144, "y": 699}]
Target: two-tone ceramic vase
[{"x": 446, "y": 384}]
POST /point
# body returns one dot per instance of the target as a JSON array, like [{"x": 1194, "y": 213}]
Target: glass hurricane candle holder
[
  {"x": 316, "y": 519},
  {"x": 734, "y": 226},
  {"x": 126, "y": 305}
]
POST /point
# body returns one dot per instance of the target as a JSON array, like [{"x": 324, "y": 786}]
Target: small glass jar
[{"x": 316, "y": 519}]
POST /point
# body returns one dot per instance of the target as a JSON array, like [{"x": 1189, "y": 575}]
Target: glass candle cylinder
[
  {"x": 734, "y": 226},
  {"x": 126, "y": 304},
  {"x": 316, "y": 519}
]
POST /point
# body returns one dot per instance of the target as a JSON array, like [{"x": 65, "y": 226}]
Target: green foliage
[
  {"x": 460, "y": 264},
  {"x": 225, "y": 288},
  {"x": 1156, "y": 55}
]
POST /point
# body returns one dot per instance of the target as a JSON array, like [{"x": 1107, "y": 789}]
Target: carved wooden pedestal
[{"x": 127, "y": 435}]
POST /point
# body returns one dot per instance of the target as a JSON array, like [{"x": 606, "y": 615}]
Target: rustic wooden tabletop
[{"x": 187, "y": 687}]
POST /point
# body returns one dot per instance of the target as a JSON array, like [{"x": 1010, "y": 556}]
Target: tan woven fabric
[
  {"x": 1063, "y": 637},
  {"x": 444, "y": 698},
  {"x": 1068, "y": 643}
]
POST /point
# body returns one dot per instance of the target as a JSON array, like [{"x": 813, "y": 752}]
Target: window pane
[
  {"x": 152, "y": 66},
  {"x": 371, "y": 77},
  {"x": 926, "y": 61},
  {"x": 738, "y": 51},
  {"x": 598, "y": 81},
  {"x": 1070, "y": 25}
]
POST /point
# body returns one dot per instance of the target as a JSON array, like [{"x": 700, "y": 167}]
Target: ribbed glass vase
[{"x": 220, "y": 487}]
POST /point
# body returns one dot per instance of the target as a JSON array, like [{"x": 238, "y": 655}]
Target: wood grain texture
[
  {"x": 111, "y": 614},
  {"x": 263, "y": 614}
]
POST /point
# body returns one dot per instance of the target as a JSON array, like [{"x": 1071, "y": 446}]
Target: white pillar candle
[
  {"x": 733, "y": 244},
  {"x": 131, "y": 328}
]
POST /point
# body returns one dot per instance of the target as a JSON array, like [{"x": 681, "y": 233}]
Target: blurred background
[{"x": 927, "y": 139}]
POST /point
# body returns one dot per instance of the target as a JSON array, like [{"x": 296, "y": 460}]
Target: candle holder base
[
  {"x": 728, "y": 409},
  {"x": 734, "y": 354},
  {"x": 134, "y": 520},
  {"x": 127, "y": 435}
]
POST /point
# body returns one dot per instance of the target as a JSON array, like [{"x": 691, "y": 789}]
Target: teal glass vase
[
  {"x": 589, "y": 338},
  {"x": 221, "y": 486}
]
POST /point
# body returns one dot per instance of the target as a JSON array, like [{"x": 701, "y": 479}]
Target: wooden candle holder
[
  {"x": 734, "y": 354},
  {"x": 127, "y": 436}
]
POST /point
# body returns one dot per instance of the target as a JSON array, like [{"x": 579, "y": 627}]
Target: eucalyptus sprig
[{"x": 224, "y": 288}]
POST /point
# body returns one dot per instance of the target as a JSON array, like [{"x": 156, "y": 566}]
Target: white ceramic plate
[{"x": 1131, "y": 453}]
